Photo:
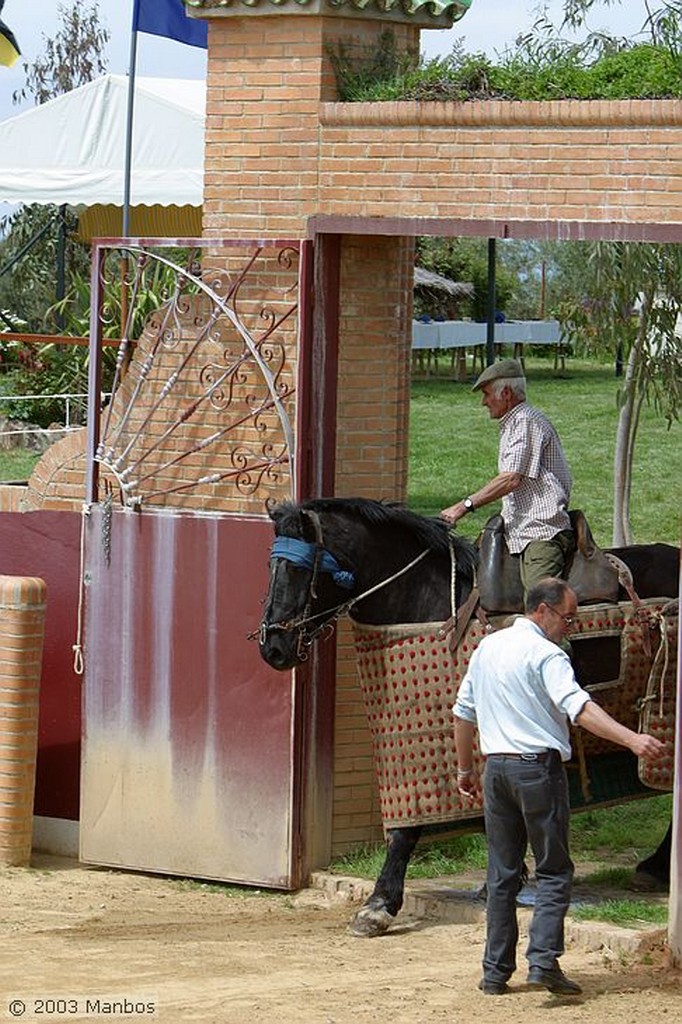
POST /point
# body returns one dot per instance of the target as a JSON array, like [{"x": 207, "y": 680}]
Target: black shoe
[
  {"x": 553, "y": 979},
  {"x": 493, "y": 988}
]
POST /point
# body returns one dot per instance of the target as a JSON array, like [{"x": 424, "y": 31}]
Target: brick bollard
[{"x": 22, "y": 627}]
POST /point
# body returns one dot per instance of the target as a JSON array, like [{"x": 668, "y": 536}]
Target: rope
[
  {"x": 342, "y": 609},
  {"x": 77, "y": 648},
  {"x": 657, "y": 679}
]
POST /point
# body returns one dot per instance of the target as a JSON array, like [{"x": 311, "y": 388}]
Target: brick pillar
[
  {"x": 266, "y": 79},
  {"x": 22, "y": 619}
]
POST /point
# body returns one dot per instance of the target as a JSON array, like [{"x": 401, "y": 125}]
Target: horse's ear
[
  {"x": 278, "y": 512},
  {"x": 275, "y": 512}
]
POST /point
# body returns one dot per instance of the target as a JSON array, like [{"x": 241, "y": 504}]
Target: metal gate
[{"x": 192, "y": 750}]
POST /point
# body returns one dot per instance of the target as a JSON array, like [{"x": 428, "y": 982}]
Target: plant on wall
[{"x": 541, "y": 66}]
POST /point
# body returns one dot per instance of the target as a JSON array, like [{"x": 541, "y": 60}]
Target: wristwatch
[{"x": 468, "y": 504}]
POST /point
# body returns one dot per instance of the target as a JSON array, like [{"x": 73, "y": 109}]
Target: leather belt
[{"x": 540, "y": 756}]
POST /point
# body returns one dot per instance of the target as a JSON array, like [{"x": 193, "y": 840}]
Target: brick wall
[
  {"x": 604, "y": 162},
  {"x": 274, "y": 188},
  {"x": 266, "y": 79},
  {"x": 371, "y": 461},
  {"x": 11, "y": 496}
]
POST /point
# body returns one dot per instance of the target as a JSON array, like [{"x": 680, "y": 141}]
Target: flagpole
[{"x": 128, "y": 164}]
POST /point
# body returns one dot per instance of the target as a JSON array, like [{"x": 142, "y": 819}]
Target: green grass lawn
[
  {"x": 453, "y": 449},
  {"x": 617, "y": 837},
  {"x": 626, "y": 913},
  {"x": 16, "y": 465}
]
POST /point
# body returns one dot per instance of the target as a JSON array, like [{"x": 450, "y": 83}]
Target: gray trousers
[{"x": 525, "y": 801}]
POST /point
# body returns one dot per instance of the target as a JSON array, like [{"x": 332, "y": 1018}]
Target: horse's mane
[{"x": 430, "y": 531}]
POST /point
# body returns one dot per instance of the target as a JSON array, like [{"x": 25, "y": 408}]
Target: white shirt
[
  {"x": 520, "y": 690},
  {"x": 537, "y": 509}
]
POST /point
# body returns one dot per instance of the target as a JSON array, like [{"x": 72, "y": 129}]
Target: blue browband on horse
[{"x": 301, "y": 553}]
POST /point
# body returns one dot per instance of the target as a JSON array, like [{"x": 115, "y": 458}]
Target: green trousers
[{"x": 543, "y": 558}]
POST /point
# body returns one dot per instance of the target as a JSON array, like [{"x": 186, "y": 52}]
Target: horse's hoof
[
  {"x": 370, "y": 922},
  {"x": 642, "y": 881}
]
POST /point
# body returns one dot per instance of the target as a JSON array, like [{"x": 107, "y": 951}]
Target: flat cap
[{"x": 503, "y": 368}]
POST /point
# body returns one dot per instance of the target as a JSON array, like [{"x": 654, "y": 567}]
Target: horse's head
[{"x": 308, "y": 587}]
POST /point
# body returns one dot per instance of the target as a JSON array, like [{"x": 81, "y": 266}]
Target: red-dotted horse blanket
[{"x": 410, "y": 677}]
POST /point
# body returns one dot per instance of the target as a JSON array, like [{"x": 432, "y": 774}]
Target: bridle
[{"x": 318, "y": 559}]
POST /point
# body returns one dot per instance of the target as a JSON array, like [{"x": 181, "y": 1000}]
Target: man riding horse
[{"x": 533, "y": 480}]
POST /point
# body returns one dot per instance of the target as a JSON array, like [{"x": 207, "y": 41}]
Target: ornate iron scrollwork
[{"x": 204, "y": 375}]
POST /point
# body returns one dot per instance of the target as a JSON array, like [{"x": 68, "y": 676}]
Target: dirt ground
[{"x": 89, "y": 944}]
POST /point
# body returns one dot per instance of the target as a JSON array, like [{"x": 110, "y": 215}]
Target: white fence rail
[{"x": 12, "y": 428}]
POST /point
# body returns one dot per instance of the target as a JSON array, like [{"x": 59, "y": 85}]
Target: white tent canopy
[{"x": 71, "y": 150}]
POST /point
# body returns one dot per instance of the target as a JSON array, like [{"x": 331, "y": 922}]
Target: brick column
[
  {"x": 267, "y": 77},
  {"x": 22, "y": 619}
]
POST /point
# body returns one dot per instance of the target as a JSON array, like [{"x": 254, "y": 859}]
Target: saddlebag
[{"x": 590, "y": 573}]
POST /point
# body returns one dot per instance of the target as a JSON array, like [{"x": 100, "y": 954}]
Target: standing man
[
  {"x": 520, "y": 690},
  {"x": 533, "y": 480}
]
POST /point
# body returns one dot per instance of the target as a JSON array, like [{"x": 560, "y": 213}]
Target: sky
[{"x": 489, "y": 26}]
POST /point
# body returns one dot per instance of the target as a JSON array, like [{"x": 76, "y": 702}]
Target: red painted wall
[{"x": 47, "y": 544}]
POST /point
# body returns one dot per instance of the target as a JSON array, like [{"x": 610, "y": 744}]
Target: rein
[{"x": 318, "y": 559}]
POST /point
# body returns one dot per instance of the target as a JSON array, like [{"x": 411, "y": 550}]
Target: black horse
[{"x": 383, "y": 564}]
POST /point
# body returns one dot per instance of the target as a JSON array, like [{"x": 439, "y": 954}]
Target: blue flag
[{"x": 168, "y": 18}]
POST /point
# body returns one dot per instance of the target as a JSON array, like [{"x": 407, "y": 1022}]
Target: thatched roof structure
[{"x": 427, "y": 281}]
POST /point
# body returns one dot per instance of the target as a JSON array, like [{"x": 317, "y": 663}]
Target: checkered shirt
[{"x": 537, "y": 509}]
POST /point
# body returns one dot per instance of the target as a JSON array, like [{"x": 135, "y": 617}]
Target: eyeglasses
[{"x": 568, "y": 619}]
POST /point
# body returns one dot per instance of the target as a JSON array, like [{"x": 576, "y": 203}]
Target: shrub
[{"x": 539, "y": 68}]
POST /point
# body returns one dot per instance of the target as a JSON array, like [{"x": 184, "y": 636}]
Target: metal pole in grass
[{"x": 490, "y": 330}]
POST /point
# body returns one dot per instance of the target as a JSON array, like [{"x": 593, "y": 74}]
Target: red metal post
[{"x": 675, "y": 899}]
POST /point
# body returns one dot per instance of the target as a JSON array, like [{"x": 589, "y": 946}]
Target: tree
[
  {"x": 465, "y": 259},
  {"x": 31, "y": 238},
  {"x": 632, "y": 303},
  {"x": 543, "y": 275},
  {"x": 75, "y": 56},
  {"x": 663, "y": 23},
  {"x": 72, "y": 58},
  {"x": 29, "y": 235}
]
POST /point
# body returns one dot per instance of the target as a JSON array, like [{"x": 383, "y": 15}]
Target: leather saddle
[{"x": 590, "y": 573}]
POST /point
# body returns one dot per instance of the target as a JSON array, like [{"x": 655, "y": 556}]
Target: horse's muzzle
[{"x": 280, "y": 649}]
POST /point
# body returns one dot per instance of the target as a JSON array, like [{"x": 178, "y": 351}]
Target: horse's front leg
[
  {"x": 378, "y": 911},
  {"x": 654, "y": 872}
]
